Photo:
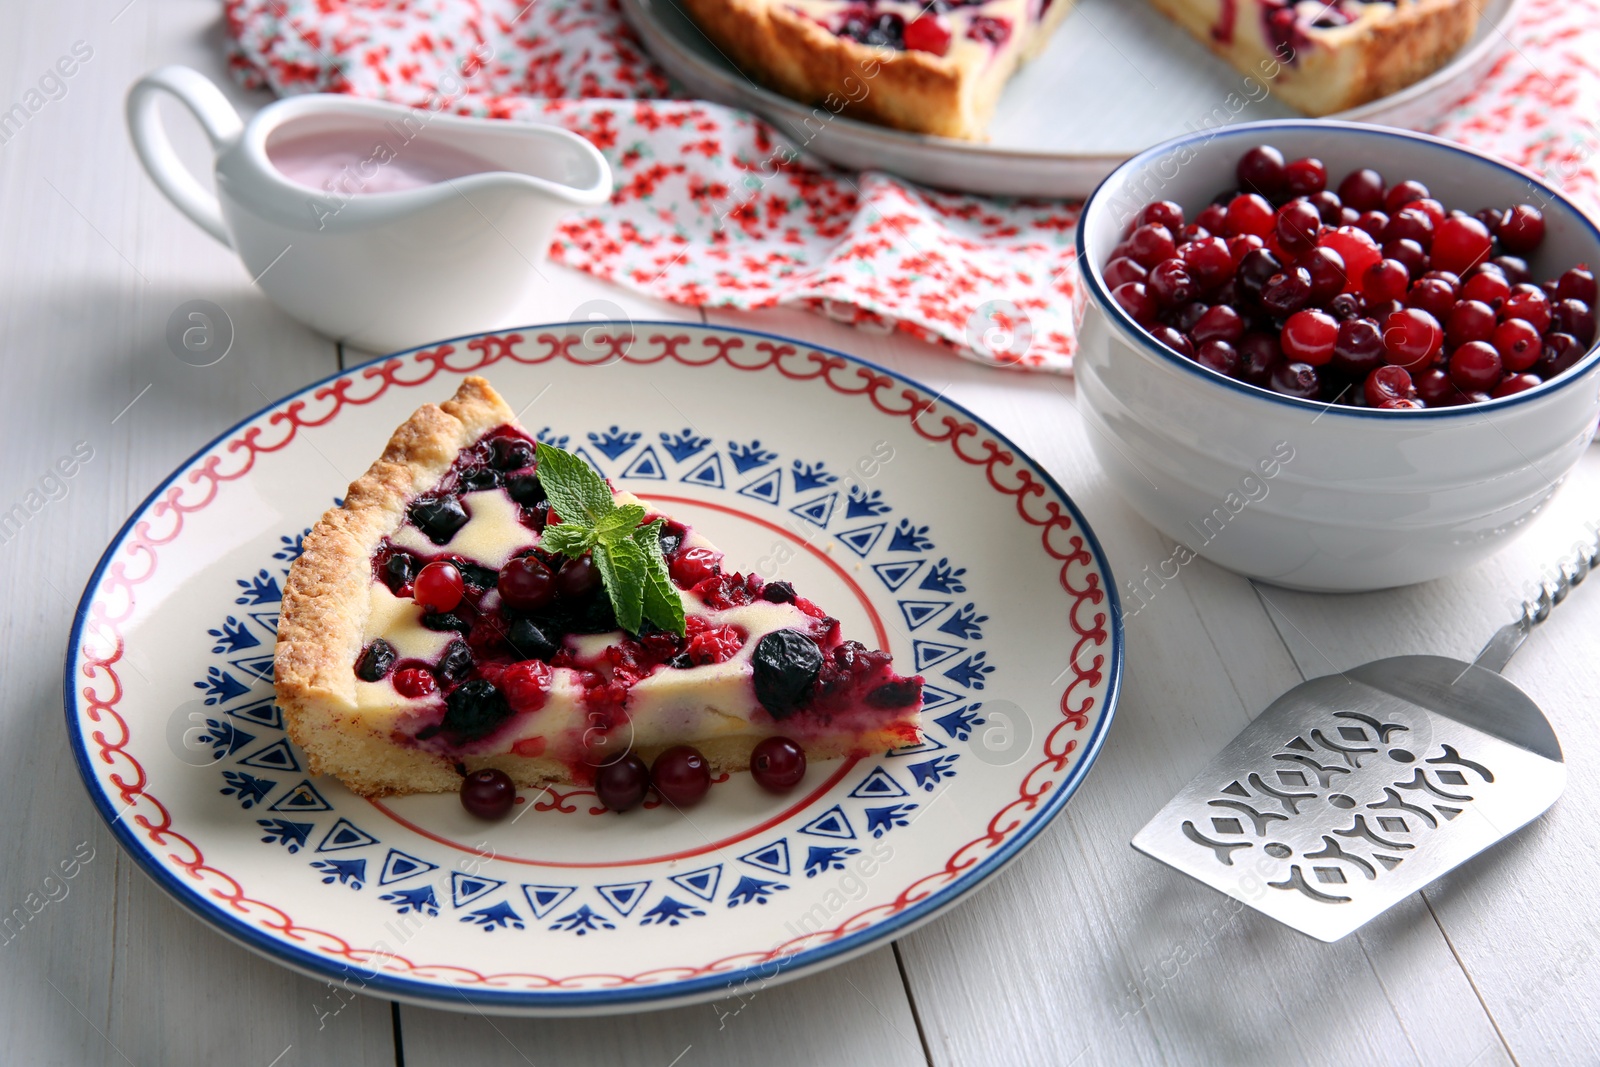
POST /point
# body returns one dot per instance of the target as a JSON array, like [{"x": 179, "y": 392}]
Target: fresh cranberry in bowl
[
  {"x": 1310, "y": 337},
  {"x": 1363, "y": 189},
  {"x": 1411, "y": 337},
  {"x": 1416, "y": 442}
]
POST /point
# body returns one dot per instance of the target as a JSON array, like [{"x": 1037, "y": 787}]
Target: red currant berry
[
  {"x": 1411, "y": 337},
  {"x": 1460, "y": 244},
  {"x": 1522, "y": 230},
  {"x": 622, "y": 783},
  {"x": 439, "y": 587},
  {"x": 1518, "y": 344},
  {"x": 489, "y": 793},
  {"x": 526, "y": 685},
  {"x": 778, "y": 764},
  {"x": 1363, "y": 190},
  {"x": 681, "y": 775},
  {"x": 1309, "y": 337},
  {"x": 1476, "y": 366},
  {"x": 526, "y": 584},
  {"x": 691, "y": 566},
  {"x": 928, "y": 33},
  {"x": 414, "y": 682}
]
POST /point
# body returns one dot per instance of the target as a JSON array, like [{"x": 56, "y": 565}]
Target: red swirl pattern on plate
[{"x": 114, "y": 602}]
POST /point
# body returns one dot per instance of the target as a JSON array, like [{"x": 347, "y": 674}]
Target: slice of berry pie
[
  {"x": 1323, "y": 57},
  {"x": 932, "y": 67},
  {"x": 482, "y": 600}
]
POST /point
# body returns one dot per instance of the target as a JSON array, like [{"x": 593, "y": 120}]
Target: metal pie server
[{"x": 1355, "y": 790}]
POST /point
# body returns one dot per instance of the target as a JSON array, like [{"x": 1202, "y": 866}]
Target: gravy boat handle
[{"x": 216, "y": 116}]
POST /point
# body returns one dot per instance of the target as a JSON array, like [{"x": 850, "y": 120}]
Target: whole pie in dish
[
  {"x": 1323, "y": 57},
  {"x": 934, "y": 68},
  {"x": 447, "y": 618}
]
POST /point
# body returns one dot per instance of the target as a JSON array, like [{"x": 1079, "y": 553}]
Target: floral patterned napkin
[{"x": 714, "y": 208}]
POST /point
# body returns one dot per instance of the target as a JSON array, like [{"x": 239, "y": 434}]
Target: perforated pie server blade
[{"x": 1353, "y": 791}]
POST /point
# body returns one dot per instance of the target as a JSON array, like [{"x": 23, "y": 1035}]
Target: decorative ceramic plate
[
  {"x": 1137, "y": 79},
  {"x": 923, "y": 530}
]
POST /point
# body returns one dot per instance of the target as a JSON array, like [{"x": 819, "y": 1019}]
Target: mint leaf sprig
[{"x": 625, "y": 548}]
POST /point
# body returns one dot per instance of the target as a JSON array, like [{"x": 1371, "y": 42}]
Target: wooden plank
[
  {"x": 93, "y": 262},
  {"x": 854, "y": 1013}
]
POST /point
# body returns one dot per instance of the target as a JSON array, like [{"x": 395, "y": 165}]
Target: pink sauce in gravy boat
[{"x": 374, "y": 223}]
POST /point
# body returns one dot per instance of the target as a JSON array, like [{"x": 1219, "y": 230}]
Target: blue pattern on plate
[{"x": 747, "y": 458}]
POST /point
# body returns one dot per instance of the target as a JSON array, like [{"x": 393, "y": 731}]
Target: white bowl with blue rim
[{"x": 1296, "y": 492}]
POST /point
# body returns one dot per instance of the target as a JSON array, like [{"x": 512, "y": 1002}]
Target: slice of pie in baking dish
[{"x": 483, "y": 600}]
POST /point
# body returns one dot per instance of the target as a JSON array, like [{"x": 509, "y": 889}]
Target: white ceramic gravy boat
[{"x": 381, "y": 269}]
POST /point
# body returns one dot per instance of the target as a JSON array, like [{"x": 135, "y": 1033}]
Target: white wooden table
[{"x": 1084, "y": 952}]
